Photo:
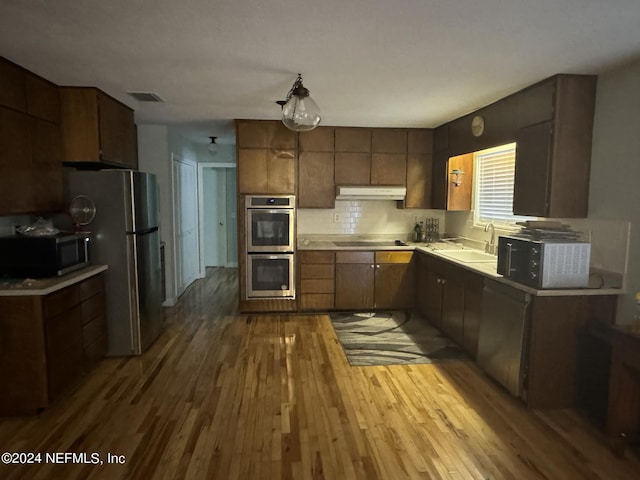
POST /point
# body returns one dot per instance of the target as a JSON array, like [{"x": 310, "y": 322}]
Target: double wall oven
[{"x": 270, "y": 233}]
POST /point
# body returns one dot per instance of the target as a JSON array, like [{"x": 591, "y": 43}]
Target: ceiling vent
[{"x": 146, "y": 96}]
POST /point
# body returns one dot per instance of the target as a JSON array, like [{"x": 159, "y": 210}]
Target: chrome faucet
[{"x": 490, "y": 246}]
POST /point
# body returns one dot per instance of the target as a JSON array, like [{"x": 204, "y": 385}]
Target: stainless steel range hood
[{"x": 372, "y": 192}]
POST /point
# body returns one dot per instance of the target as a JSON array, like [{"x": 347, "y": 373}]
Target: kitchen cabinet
[
  {"x": 30, "y": 158},
  {"x": 12, "y": 86},
  {"x": 553, "y": 151},
  {"x": 552, "y": 123},
  {"x": 370, "y": 156},
  {"x": 459, "y": 196},
  {"x": 52, "y": 340},
  {"x": 551, "y": 378},
  {"x": 317, "y": 280},
  {"x": 266, "y": 157},
  {"x": 450, "y": 298},
  {"x": 97, "y": 129},
  {"x": 368, "y": 279},
  {"x": 316, "y": 169},
  {"x": 419, "y": 168}
]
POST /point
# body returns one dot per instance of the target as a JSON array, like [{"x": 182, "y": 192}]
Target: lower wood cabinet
[
  {"x": 368, "y": 279},
  {"x": 317, "y": 280},
  {"x": 48, "y": 342},
  {"x": 450, "y": 297}
]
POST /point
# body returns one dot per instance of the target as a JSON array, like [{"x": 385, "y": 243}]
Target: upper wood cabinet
[
  {"x": 419, "y": 168},
  {"x": 266, "y": 157},
  {"x": 30, "y": 157},
  {"x": 43, "y": 99},
  {"x": 370, "y": 156},
  {"x": 316, "y": 168},
  {"x": 552, "y": 123},
  {"x": 97, "y": 129},
  {"x": 553, "y": 153},
  {"x": 459, "y": 195},
  {"x": 12, "y": 86}
]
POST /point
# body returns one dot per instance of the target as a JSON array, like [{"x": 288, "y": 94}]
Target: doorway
[{"x": 218, "y": 219}]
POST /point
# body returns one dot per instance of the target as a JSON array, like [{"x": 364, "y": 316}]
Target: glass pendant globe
[{"x": 300, "y": 114}]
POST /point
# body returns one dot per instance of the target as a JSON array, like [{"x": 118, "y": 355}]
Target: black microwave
[{"x": 23, "y": 256}]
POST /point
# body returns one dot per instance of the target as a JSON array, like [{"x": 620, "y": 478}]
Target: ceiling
[{"x": 408, "y": 63}]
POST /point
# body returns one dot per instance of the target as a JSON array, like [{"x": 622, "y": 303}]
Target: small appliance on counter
[
  {"x": 26, "y": 256},
  {"x": 544, "y": 263}
]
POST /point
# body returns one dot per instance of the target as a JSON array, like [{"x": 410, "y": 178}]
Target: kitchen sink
[{"x": 468, "y": 256}]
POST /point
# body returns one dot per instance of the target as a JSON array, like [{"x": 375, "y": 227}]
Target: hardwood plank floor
[{"x": 228, "y": 396}]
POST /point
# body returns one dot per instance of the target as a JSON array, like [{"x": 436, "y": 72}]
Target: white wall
[{"x": 615, "y": 166}]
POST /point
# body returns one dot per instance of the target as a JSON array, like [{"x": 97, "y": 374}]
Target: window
[{"x": 493, "y": 193}]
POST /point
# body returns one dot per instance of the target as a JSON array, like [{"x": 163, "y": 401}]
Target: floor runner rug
[{"x": 392, "y": 338}]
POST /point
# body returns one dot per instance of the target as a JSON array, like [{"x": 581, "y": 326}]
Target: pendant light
[
  {"x": 299, "y": 112},
  {"x": 213, "y": 146}
]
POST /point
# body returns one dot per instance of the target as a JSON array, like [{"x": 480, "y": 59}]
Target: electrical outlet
[
  {"x": 336, "y": 217},
  {"x": 415, "y": 218}
]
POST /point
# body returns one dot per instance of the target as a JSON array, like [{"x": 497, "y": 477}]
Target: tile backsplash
[{"x": 363, "y": 217}]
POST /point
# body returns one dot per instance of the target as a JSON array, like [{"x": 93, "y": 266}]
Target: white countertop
[
  {"x": 45, "y": 286},
  {"x": 487, "y": 269}
]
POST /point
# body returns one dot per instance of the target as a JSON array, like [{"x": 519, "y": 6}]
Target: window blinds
[{"x": 495, "y": 171}]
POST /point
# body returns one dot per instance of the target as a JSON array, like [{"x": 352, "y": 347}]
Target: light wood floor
[{"x": 227, "y": 396}]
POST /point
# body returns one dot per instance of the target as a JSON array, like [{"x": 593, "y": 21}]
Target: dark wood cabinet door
[
  {"x": 16, "y": 188},
  {"x": 63, "y": 335},
  {"x": 353, "y": 139},
  {"x": 433, "y": 298},
  {"x": 394, "y": 285},
  {"x": 281, "y": 171},
  {"x": 422, "y": 284},
  {"x": 388, "y": 140},
  {"x": 46, "y": 150},
  {"x": 252, "y": 170},
  {"x": 43, "y": 100},
  {"x": 388, "y": 169},
  {"x": 440, "y": 180},
  {"x": 532, "y": 182},
  {"x": 320, "y": 139},
  {"x": 109, "y": 115},
  {"x": 453, "y": 309},
  {"x": 316, "y": 187},
  {"x": 419, "y": 180},
  {"x": 352, "y": 168},
  {"x": 472, "y": 313},
  {"x": 536, "y": 103},
  {"x": 12, "y": 86},
  {"x": 354, "y": 286}
]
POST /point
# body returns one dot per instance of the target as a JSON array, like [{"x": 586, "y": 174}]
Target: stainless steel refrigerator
[{"x": 125, "y": 237}]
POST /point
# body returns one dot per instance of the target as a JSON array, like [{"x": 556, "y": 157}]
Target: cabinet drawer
[
  {"x": 91, "y": 287},
  {"x": 316, "y": 256},
  {"x": 317, "y": 285},
  {"x": 95, "y": 351},
  {"x": 394, "y": 257},
  {"x": 92, "y": 307},
  {"x": 60, "y": 301},
  {"x": 317, "y": 301},
  {"x": 312, "y": 270},
  {"x": 354, "y": 257},
  {"x": 94, "y": 329}
]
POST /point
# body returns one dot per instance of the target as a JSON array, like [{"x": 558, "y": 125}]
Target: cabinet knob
[
  {"x": 377, "y": 266},
  {"x": 443, "y": 281},
  {"x": 372, "y": 266}
]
